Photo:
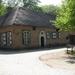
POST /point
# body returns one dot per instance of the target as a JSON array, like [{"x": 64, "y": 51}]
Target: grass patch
[{"x": 71, "y": 52}]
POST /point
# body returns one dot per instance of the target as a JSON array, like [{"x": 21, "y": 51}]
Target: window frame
[
  {"x": 8, "y": 36},
  {"x": 34, "y": 28},
  {"x": 3, "y": 38},
  {"x": 59, "y": 35},
  {"x": 54, "y": 35},
  {"x": 48, "y": 35},
  {"x": 29, "y": 34}
]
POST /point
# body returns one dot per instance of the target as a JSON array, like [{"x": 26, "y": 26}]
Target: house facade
[
  {"x": 22, "y": 37},
  {"x": 25, "y": 28}
]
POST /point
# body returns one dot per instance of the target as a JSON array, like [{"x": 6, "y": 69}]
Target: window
[
  {"x": 59, "y": 36},
  {"x": 3, "y": 38},
  {"x": 9, "y": 38},
  {"x": 54, "y": 35},
  {"x": 6, "y": 38},
  {"x": 48, "y": 34},
  {"x": 34, "y": 28},
  {"x": 26, "y": 36}
]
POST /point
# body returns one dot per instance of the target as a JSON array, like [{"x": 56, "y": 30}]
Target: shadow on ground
[
  {"x": 71, "y": 59},
  {"x": 7, "y": 52}
]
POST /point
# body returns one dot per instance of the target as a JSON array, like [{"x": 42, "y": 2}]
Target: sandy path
[{"x": 59, "y": 60}]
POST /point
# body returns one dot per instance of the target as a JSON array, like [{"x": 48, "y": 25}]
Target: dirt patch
[{"x": 59, "y": 60}]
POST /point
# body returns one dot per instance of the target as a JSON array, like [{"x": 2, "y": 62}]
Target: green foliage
[
  {"x": 13, "y": 3},
  {"x": 51, "y": 9},
  {"x": 71, "y": 52},
  {"x": 2, "y": 10},
  {"x": 37, "y": 8},
  {"x": 65, "y": 20},
  {"x": 9, "y": 3},
  {"x": 0, "y": 3},
  {"x": 30, "y": 3}
]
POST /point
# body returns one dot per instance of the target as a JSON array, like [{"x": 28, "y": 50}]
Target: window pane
[
  {"x": 10, "y": 42},
  {"x": 54, "y": 33},
  {"x": 47, "y": 33},
  {"x": 4, "y": 38},
  {"x": 10, "y": 38},
  {"x": 10, "y": 33},
  {"x": 54, "y": 36},
  {"x": 59, "y": 36},
  {"x": 48, "y": 37},
  {"x": 4, "y": 34},
  {"x": 4, "y": 42}
]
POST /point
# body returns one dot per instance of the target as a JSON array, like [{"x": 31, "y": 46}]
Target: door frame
[{"x": 42, "y": 34}]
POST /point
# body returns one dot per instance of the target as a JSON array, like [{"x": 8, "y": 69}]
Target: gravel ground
[{"x": 59, "y": 60}]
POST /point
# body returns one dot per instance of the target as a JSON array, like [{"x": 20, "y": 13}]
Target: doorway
[
  {"x": 42, "y": 41},
  {"x": 72, "y": 39}
]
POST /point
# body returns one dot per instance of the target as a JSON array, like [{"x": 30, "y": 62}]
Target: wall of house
[
  {"x": 17, "y": 38},
  {"x": 59, "y": 41},
  {"x": 35, "y": 34}
]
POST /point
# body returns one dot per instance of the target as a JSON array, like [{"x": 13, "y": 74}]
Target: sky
[{"x": 48, "y": 2}]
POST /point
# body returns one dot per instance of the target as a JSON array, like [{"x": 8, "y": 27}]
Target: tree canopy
[
  {"x": 51, "y": 9},
  {"x": 2, "y": 8},
  {"x": 65, "y": 20},
  {"x": 13, "y": 3},
  {"x": 30, "y": 3}
]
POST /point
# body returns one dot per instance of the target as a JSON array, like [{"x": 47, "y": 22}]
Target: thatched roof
[{"x": 26, "y": 17}]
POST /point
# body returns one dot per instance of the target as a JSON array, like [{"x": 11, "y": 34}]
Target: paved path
[{"x": 27, "y": 63}]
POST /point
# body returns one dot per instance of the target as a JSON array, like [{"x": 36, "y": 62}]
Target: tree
[
  {"x": 2, "y": 8},
  {"x": 0, "y": 3},
  {"x": 13, "y": 3},
  {"x": 65, "y": 20},
  {"x": 37, "y": 8},
  {"x": 30, "y": 3},
  {"x": 51, "y": 9}
]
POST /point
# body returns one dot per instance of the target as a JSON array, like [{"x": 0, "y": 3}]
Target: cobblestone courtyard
[{"x": 28, "y": 63}]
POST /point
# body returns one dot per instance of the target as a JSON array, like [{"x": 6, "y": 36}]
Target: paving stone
[{"x": 27, "y": 63}]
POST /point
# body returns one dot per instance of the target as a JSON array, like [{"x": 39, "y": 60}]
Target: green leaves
[
  {"x": 30, "y": 3},
  {"x": 51, "y": 9},
  {"x": 65, "y": 19},
  {"x": 2, "y": 8}
]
